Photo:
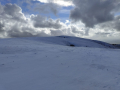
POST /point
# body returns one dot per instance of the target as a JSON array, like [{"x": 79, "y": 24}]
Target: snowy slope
[
  {"x": 117, "y": 45},
  {"x": 60, "y": 40},
  {"x": 77, "y": 42},
  {"x": 49, "y": 63}
]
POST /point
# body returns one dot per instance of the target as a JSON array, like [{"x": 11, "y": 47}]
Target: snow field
[{"x": 51, "y": 64}]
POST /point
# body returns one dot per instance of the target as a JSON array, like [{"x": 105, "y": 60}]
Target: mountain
[{"x": 58, "y": 63}]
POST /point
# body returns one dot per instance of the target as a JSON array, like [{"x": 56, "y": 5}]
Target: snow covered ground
[{"x": 51, "y": 63}]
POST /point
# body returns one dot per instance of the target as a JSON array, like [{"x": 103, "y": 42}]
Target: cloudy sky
[{"x": 93, "y": 19}]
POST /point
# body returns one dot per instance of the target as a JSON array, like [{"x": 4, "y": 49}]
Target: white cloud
[
  {"x": 67, "y": 22},
  {"x": 14, "y": 23},
  {"x": 59, "y": 2}
]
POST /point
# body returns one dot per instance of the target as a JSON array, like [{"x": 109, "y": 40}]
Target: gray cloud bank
[
  {"x": 92, "y": 12},
  {"x": 42, "y": 22}
]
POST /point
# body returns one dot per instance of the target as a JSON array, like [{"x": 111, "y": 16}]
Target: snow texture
[{"x": 58, "y": 63}]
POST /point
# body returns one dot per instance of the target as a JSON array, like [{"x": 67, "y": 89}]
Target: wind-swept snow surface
[{"x": 51, "y": 64}]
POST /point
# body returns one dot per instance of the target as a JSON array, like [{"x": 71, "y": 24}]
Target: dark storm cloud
[
  {"x": 111, "y": 25},
  {"x": 42, "y": 22},
  {"x": 92, "y": 12},
  {"x": 117, "y": 23},
  {"x": 1, "y": 27}
]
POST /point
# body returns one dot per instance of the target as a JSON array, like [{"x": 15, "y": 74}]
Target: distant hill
[
  {"x": 73, "y": 41},
  {"x": 59, "y": 40}
]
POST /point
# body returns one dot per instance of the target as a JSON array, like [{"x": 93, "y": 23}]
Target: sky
[{"x": 92, "y": 19}]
